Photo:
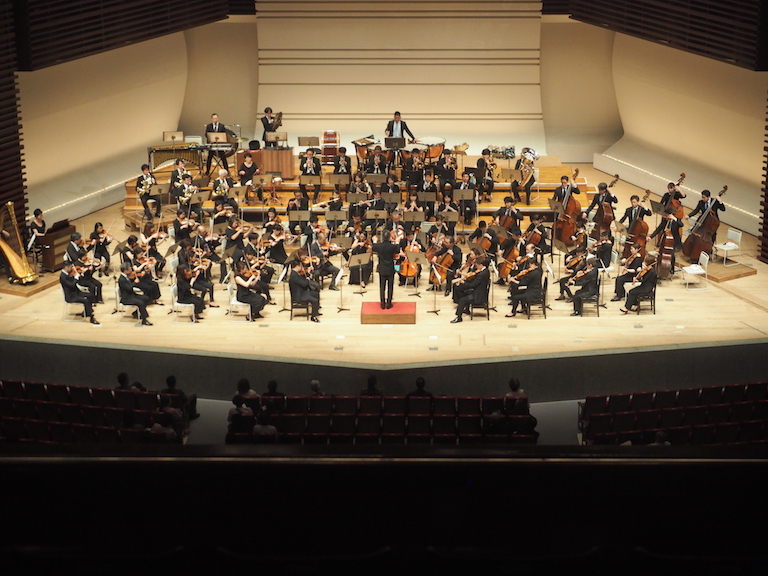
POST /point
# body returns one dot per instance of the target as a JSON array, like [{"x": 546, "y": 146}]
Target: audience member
[
  {"x": 129, "y": 420},
  {"x": 263, "y": 428},
  {"x": 314, "y": 385},
  {"x": 661, "y": 439},
  {"x": 515, "y": 401},
  {"x": 420, "y": 392},
  {"x": 371, "y": 389},
  {"x": 238, "y": 413},
  {"x": 164, "y": 426},
  {"x": 188, "y": 404},
  {"x": 272, "y": 399},
  {"x": 250, "y": 396},
  {"x": 122, "y": 384}
]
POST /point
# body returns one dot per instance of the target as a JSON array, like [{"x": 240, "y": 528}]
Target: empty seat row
[
  {"x": 79, "y": 395},
  {"x": 725, "y": 433},
  {"x": 304, "y": 425},
  {"x": 341, "y": 438},
  {"x": 72, "y": 413},
  {"x": 685, "y": 397},
  {"x": 385, "y": 404},
  {"x": 29, "y": 429},
  {"x": 639, "y": 420}
]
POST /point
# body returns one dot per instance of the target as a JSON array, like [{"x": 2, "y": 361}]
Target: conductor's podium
[{"x": 400, "y": 313}]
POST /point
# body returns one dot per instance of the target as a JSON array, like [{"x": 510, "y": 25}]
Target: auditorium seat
[
  {"x": 57, "y": 393},
  {"x": 444, "y": 439},
  {"x": 761, "y": 410},
  {"x": 37, "y": 429},
  {"x": 741, "y": 411},
  {"x": 419, "y": 424},
  {"x": 718, "y": 413},
  {"x": 242, "y": 423},
  {"x": 688, "y": 397},
  {"x": 623, "y": 421},
  {"x": 592, "y": 405},
  {"x": 35, "y": 391},
  {"x": 6, "y": 407},
  {"x": 113, "y": 416},
  {"x": 320, "y": 404},
  {"x": 671, "y": 417},
  {"x": 619, "y": 402},
  {"x": 108, "y": 435},
  {"x": 125, "y": 399},
  {"x": 370, "y": 405},
  {"x": 678, "y": 434},
  {"x": 394, "y": 404},
  {"x": 48, "y": 411},
  {"x": 522, "y": 439},
  {"x": 419, "y": 438},
  {"x": 80, "y": 395},
  {"x": 345, "y": 405},
  {"x": 444, "y": 405},
  {"x": 131, "y": 436},
  {"x": 366, "y": 438},
  {"x": 12, "y": 388},
  {"x": 641, "y": 401},
  {"x": 470, "y": 438},
  {"x": 750, "y": 430},
  {"x": 597, "y": 424},
  {"x": 60, "y": 432},
  {"x": 468, "y": 405},
  {"x": 92, "y": 415},
  {"x": 665, "y": 399},
  {"x": 84, "y": 434},
  {"x": 733, "y": 393},
  {"x": 70, "y": 413},
  {"x": 756, "y": 391},
  {"x": 238, "y": 438},
  {"x": 147, "y": 400},
  {"x": 24, "y": 408},
  {"x": 317, "y": 428},
  {"x": 647, "y": 419},
  {"x": 393, "y": 424},
  {"x": 710, "y": 395},
  {"x": 702, "y": 434},
  {"x": 296, "y": 404},
  {"x": 419, "y": 405},
  {"x": 443, "y": 424},
  {"x": 470, "y": 424},
  {"x": 368, "y": 424},
  {"x": 695, "y": 416},
  {"x": 393, "y": 437},
  {"x": 495, "y": 438},
  {"x": 727, "y": 433},
  {"x": 343, "y": 424},
  {"x": 493, "y": 404},
  {"x": 337, "y": 438},
  {"x": 13, "y": 427}
]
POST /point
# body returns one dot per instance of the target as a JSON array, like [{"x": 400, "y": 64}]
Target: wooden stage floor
[{"x": 733, "y": 311}]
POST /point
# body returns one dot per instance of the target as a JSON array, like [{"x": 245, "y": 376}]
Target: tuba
[{"x": 277, "y": 122}]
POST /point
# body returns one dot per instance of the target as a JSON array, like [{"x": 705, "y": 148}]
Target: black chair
[
  {"x": 485, "y": 306},
  {"x": 647, "y": 298},
  {"x": 596, "y": 299},
  {"x": 296, "y": 305},
  {"x": 541, "y": 301}
]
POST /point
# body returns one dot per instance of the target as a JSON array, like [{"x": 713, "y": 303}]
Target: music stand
[
  {"x": 411, "y": 176},
  {"x": 460, "y": 196},
  {"x": 394, "y": 143},
  {"x": 173, "y": 136},
  {"x": 309, "y": 141},
  {"x": 219, "y": 229},
  {"x": 286, "y": 267},
  {"x": 508, "y": 174},
  {"x": 449, "y": 216},
  {"x": 435, "y": 289},
  {"x": 302, "y": 216},
  {"x": 336, "y": 216},
  {"x": 360, "y": 260},
  {"x": 427, "y": 196},
  {"x": 341, "y": 291},
  {"x": 377, "y": 215},
  {"x": 216, "y": 137},
  {"x": 309, "y": 179},
  {"x": 276, "y": 137},
  {"x": 658, "y": 208},
  {"x": 561, "y": 249},
  {"x": 391, "y": 198},
  {"x": 339, "y": 179},
  {"x": 556, "y": 206},
  {"x": 123, "y": 244},
  {"x": 420, "y": 259},
  {"x": 413, "y": 217},
  {"x": 377, "y": 179},
  {"x": 621, "y": 230},
  {"x": 356, "y": 198}
]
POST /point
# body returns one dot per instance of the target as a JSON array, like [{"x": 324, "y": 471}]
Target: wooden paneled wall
[
  {"x": 11, "y": 167},
  {"x": 763, "y": 254},
  {"x": 453, "y": 68}
]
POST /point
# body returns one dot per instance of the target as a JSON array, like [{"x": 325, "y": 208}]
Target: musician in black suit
[
  {"x": 483, "y": 232},
  {"x": 268, "y": 121},
  {"x": 304, "y": 290},
  {"x": 449, "y": 246},
  {"x": 216, "y": 126},
  {"x": 77, "y": 255},
  {"x": 310, "y": 166},
  {"x": 473, "y": 290},
  {"x": 675, "y": 225},
  {"x": 565, "y": 188},
  {"x": 645, "y": 287},
  {"x": 537, "y": 224},
  {"x": 509, "y": 209},
  {"x": 325, "y": 267},
  {"x": 532, "y": 283},
  {"x": 73, "y": 294},
  {"x": 342, "y": 164},
  {"x": 377, "y": 162},
  {"x": 143, "y": 184},
  {"x": 221, "y": 188},
  {"x": 390, "y": 187},
  {"x": 637, "y": 211},
  {"x": 177, "y": 178},
  {"x": 711, "y": 204},
  {"x": 603, "y": 195},
  {"x": 428, "y": 185},
  {"x": 298, "y": 202},
  {"x": 186, "y": 281},
  {"x": 386, "y": 250},
  {"x": 485, "y": 168},
  {"x": 129, "y": 297},
  {"x": 633, "y": 263},
  {"x": 186, "y": 191},
  {"x": 397, "y": 128},
  {"x": 182, "y": 226},
  {"x": 468, "y": 207},
  {"x": 375, "y": 203},
  {"x": 590, "y": 286}
]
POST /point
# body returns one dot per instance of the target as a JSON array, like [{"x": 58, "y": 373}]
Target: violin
[{"x": 523, "y": 274}]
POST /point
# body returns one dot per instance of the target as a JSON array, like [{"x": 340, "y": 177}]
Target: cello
[
  {"x": 700, "y": 238},
  {"x": 407, "y": 268},
  {"x": 604, "y": 215},
  {"x": 565, "y": 226},
  {"x": 637, "y": 231}
]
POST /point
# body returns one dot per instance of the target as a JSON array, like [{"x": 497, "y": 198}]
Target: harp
[{"x": 12, "y": 247}]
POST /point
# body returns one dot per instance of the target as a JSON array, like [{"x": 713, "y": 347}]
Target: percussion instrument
[{"x": 434, "y": 146}]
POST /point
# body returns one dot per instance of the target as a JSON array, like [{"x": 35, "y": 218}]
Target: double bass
[
  {"x": 637, "y": 231},
  {"x": 666, "y": 253},
  {"x": 407, "y": 268},
  {"x": 700, "y": 238},
  {"x": 565, "y": 225},
  {"x": 674, "y": 203},
  {"x": 604, "y": 214}
]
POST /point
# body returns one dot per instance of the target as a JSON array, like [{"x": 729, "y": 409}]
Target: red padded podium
[{"x": 400, "y": 313}]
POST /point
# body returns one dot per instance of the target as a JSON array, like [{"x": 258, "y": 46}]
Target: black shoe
[
  {"x": 332, "y": 287},
  {"x": 615, "y": 299},
  {"x": 135, "y": 315},
  {"x": 94, "y": 321},
  {"x": 561, "y": 297},
  {"x": 146, "y": 322},
  {"x": 257, "y": 315},
  {"x": 500, "y": 282},
  {"x": 456, "y": 320},
  {"x": 575, "y": 313},
  {"x": 80, "y": 315},
  {"x": 194, "y": 416},
  {"x": 158, "y": 216},
  {"x": 315, "y": 319},
  {"x": 447, "y": 292},
  {"x": 389, "y": 304},
  {"x": 383, "y": 305}
]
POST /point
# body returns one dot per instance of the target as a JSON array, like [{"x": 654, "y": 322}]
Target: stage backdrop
[{"x": 463, "y": 71}]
